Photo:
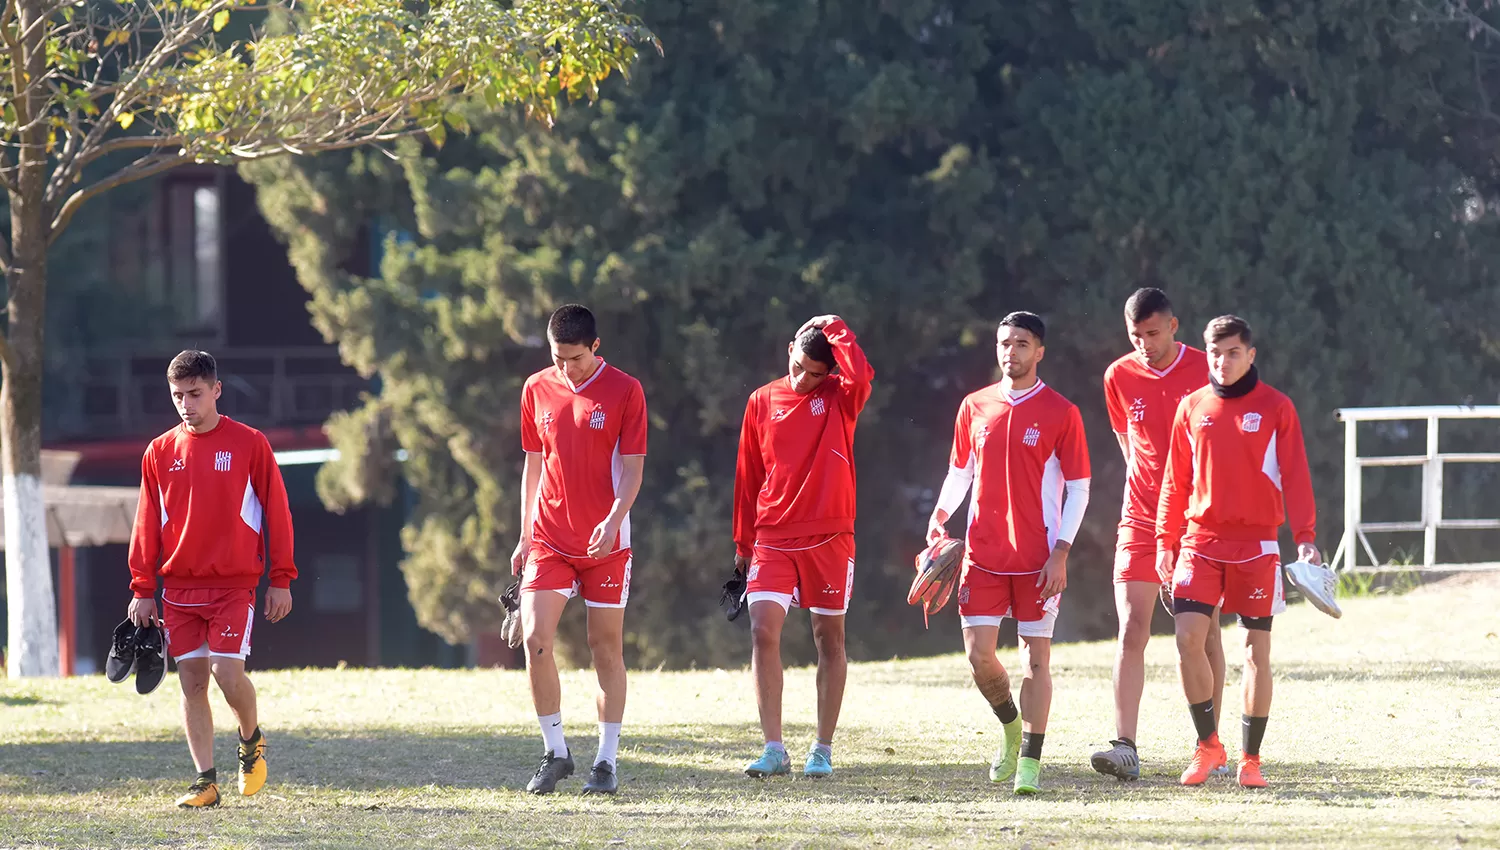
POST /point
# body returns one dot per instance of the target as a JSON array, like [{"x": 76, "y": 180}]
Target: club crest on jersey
[
  {"x": 596, "y": 419},
  {"x": 1138, "y": 410},
  {"x": 1250, "y": 423},
  {"x": 221, "y": 461},
  {"x": 177, "y": 465},
  {"x": 817, "y": 406},
  {"x": 1033, "y": 435}
]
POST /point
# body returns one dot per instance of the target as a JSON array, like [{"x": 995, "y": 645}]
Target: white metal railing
[{"x": 1432, "y": 463}]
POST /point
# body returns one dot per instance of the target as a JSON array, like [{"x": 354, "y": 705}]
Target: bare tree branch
[{"x": 140, "y": 169}]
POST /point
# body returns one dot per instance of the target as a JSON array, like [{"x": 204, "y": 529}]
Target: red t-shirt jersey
[
  {"x": 582, "y": 433},
  {"x": 1232, "y": 464},
  {"x": 795, "y": 473},
  {"x": 209, "y": 502},
  {"x": 1142, "y": 402},
  {"x": 1022, "y": 450}
]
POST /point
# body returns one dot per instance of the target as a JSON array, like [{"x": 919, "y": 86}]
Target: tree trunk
[{"x": 32, "y": 644}]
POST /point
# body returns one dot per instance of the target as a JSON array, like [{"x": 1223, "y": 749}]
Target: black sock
[
  {"x": 253, "y": 739},
  {"x": 1006, "y": 711},
  {"x": 1253, "y": 729},
  {"x": 1031, "y": 744},
  {"x": 212, "y": 775},
  {"x": 1128, "y": 742},
  {"x": 1203, "y": 719}
]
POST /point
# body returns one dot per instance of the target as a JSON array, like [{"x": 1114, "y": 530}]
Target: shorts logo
[
  {"x": 221, "y": 461},
  {"x": 1250, "y": 423},
  {"x": 229, "y": 632},
  {"x": 1258, "y": 593},
  {"x": 1033, "y": 434},
  {"x": 596, "y": 419},
  {"x": 963, "y": 596},
  {"x": 754, "y": 572},
  {"x": 177, "y": 465},
  {"x": 830, "y": 589},
  {"x": 608, "y": 583},
  {"x": 817, "y": 406}
]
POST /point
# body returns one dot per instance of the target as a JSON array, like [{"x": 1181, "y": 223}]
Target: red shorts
[
  {"x": 1135, "y": 555},
  {"x": 1244, "y": 576},
  {"x": 985, "y": 598},
  {"x": 816, "y": 573},
  {"x": 204, "y": 621},
  {"x": 603, "y": 582}
]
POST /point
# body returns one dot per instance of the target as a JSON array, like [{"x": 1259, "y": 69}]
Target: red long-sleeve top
[
  {"x": 212, "y": 507},
  {"x": 1231, "y": 465},
  {"x": 795, "y": 474}
]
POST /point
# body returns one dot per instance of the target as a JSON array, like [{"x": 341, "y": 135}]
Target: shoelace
[
  {"x": 547, "y": 760},
  {"x": 248, "y": 760},
  {"x": 199, "y": 785}
]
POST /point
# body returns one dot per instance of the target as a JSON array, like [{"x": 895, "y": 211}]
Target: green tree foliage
[
  {"x": 96, "y": 95},
  {"x": 920, "y": 168}
]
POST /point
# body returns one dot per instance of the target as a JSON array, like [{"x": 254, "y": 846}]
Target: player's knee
[
  {"x": 829, "y": 638},
  {"x": 1134, "y": 635},
  {"x": 765, "y": 635},
  {"x": 984, "y": 660},
  {"x": 605, "y": 646},
  {"x": 538, "y": 644}
]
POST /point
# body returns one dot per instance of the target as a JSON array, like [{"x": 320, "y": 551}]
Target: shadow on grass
[
  {"x": 24, "y": 700},
  {"x": 701, "y": 765}
]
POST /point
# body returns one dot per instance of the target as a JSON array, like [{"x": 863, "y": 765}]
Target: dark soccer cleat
[
  {"x": 150, "y": 658},
  {"x": 121, "y": 661},
  {"x": 601, "y": 779},
  {"x": 551, "y": 771}
]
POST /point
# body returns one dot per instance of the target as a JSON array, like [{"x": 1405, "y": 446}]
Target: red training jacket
[
  {"x": 207, "y": 501},
  {"x": 795, "y": 474},
  {"x": 1231, "y": 464}
]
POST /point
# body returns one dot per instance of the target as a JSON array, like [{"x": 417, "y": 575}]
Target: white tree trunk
[{"x": 28, "y": 581}]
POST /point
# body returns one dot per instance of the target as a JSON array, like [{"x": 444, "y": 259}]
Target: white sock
[
  {"x": 609, "y": 743},
  {"x": 552, "y": 734},
  {"x": 776, "y": 745}
]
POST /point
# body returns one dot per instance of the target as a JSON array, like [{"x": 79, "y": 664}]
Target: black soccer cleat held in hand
[
  {"x": 601, "y": 779},
  {"x": 551, "y": 771},
  {"x": 732, "y": 599},
  {"x": 150, "y": 658},
  {"x": 121, "y": 661}
]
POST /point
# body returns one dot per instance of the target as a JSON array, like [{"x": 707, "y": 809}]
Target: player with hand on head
[
  {"x": 1141, "y": 391},
  {"x": 793, "y": 523},
  {"x": 1021, "y": 446},
  {"x": 1236, "y": 469},
  {"x": 583, "y": 428},
  {"x": 212, "y": 504}
]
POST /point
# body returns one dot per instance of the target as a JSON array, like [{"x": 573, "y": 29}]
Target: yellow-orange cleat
[
  {"x": 252, "y": 766},
  {"x": 1206, "y": 758},
  {"x": 202, "y": 795},
  {"x": 1250, "y": 773}
]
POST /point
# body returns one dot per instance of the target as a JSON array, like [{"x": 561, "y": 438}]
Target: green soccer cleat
[
  {"x": 819, "y": 764},
  {"x": 772, "y": 762},
  {"x": 1028, "y": 776},
  {"x": 1003, "y": 766}
]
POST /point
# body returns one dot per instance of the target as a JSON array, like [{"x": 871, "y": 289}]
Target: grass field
[{"x": 1383, "y": 734}]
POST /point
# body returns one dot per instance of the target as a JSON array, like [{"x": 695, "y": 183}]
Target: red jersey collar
[
  {"x": 585, "y": 385},
  {"x": 1181, "y": 352},
  {"x": 1017, "y": 398}
]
